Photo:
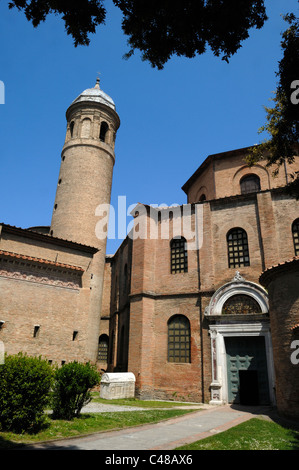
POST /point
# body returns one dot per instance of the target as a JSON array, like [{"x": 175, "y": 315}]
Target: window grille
[
  {"x": 238, "y": 251},
  {"x": 103, "y": 348},
  {"x": 295, "y": 231},
  {"x": 179, "y": 258},
  {"x": 179, "y": 339}
]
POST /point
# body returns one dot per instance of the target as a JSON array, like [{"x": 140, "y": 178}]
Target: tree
[
  {"x": 282, "y": 123},
  {"x": 159, "y": 28}
]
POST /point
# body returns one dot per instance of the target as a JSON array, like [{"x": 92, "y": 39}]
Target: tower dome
[{"x": 95, "y": 95}]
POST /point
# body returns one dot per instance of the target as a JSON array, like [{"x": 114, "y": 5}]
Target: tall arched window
[
  {"x": 72, "y": 124},
  {"x": 237, "y": 246},
  {"x": 178, "y": 255},
  {"x": 250, "y": 184},
  {"x": 103, "y": 348},
  {"x": 295, "y": 231},
  {"x": 85, "y": 129},
  {"x": 103, "y": 131},
  {"x": 179, "y": 339}
]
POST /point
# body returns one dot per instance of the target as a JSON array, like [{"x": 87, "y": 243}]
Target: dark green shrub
[
  {"x": 71, "y": 391},
  {"x": 24, "y": 392}
]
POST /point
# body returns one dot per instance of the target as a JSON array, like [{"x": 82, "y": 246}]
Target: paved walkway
[{"x": 165, "y": 435}]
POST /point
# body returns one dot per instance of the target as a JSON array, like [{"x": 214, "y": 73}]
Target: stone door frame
[
  {"x": 218, "y": 333},
  {"x": 225, "y": 326}
]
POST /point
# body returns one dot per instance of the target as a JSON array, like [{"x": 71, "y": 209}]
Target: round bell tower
[
  {"x": 87, "y": 161},
  {"x": 84, "y": 183}
]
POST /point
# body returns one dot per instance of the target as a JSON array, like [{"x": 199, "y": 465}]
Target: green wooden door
[{"x": 247, "y": 376}]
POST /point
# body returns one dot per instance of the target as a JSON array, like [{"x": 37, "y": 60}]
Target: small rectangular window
[
  {"x": 75, "y": 335},
  {"x": 36, "y": 331}
]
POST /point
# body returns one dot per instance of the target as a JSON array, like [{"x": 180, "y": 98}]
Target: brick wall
[
  {"x": 34, "y": 293},
  {"x": 282, "y": 283},
  {"x": 220, "y": 175},
  {"x": 156, "y": 294}
]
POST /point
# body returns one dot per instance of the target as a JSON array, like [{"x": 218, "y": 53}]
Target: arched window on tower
[
  {"x": 85, "y": 129},
  {"x": 72, "y": 124},
  {"x": 103, "y": 348},
  {"x": 250, "y": 184},
  {"x": 237, "y": 247},
  {"x": 103, "y": 131},
  {"x": 179, "y": 339},
  {"x": 295, "y": 232},
  {"x": 178, "y": 255}
]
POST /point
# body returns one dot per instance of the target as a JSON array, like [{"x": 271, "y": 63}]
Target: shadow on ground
[{"x": 272, "y": 414}]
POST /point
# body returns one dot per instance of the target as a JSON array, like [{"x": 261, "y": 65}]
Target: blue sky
[{"x": 171, "y": 120}]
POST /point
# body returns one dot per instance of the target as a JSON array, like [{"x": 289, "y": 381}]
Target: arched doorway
[{"x": 241, "y": 346}]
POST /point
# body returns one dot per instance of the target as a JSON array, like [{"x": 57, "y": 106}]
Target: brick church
[{"x": 180, "y": 304}]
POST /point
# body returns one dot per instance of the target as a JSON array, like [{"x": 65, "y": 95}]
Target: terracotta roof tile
[
  {"x": 292, "y": 260},
  {"x": 48, "y": 238},
  {"x": 265, "y": 274},
  {"x": 40, "y": 260}
]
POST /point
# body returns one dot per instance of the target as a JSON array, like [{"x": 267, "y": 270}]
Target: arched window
[
  {"x": 85, "y": 129},
  {"x": 178, "y": 255},
  {"x": 202, "y": 198},
  {"x": 295, "y": 231},
  {"x": 103, "y": 131},
  {"x": 103, "y": 348},
  {"x": 237, "y": 246},
  {"x": 179, "y": 339},
  {"x": 250, "y": 184},
  {"x": 72, "y": 124},
  {"x": 241, "y": 304}
]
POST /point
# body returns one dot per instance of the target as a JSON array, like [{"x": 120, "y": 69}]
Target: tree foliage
[
  {"x": 282, "y": 123},
  {"x": 162, "y": 28},
  {"x": 81, "y": 17},
  {"x": 159, "y": 28}
]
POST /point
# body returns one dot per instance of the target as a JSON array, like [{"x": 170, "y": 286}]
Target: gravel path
[{"x": 102, "y": 408}]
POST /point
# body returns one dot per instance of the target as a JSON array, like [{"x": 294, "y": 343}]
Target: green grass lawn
[
  {"x": 86, "y": 424},
  {"x": 255, "y": 434}
]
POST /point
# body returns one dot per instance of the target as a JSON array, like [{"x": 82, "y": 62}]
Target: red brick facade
[{"x": 155, "y": 295}]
